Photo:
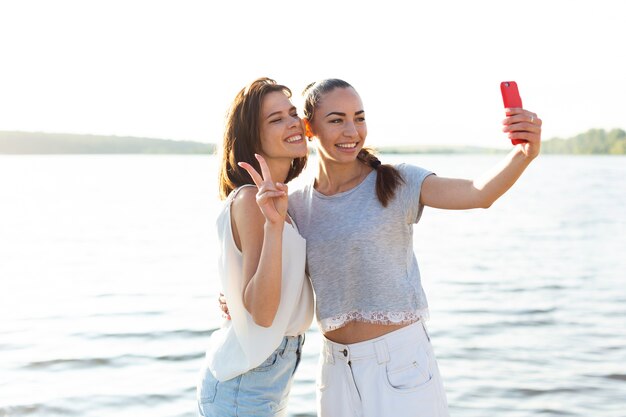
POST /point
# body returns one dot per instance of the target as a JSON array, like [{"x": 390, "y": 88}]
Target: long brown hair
[
  {"x": 242, "y": 136},
  {"x": 388, "y": 178}
]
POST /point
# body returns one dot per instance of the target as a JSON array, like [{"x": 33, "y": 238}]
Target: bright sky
[{"x": 428, "y": 72}]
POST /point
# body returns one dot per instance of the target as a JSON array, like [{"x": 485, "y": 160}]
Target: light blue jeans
[{"x": 262, "y": 391}]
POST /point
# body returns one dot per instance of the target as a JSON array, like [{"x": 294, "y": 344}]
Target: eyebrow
[
  {"x": 279, "y": 112},
  {"x": 337, "y": 113}
]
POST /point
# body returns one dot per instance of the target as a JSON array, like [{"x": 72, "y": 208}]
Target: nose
[
  {"x": 295, "y": 121},
  {"x": 350, "y": 130}
]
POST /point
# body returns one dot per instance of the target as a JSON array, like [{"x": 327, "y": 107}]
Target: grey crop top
[{"x": 360, "y": 254}]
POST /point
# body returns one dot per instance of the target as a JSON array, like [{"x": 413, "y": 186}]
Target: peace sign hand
[{"x": 271, "y": 197}]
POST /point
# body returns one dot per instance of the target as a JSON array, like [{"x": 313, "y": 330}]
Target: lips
[
  {"x": 294, "y": 138},
  {"x": 348, "y": 145}
]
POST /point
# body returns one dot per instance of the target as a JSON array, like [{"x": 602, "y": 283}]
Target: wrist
[
  {"x": 270, "y": 227},
  {"x": 525, "y": 155}
]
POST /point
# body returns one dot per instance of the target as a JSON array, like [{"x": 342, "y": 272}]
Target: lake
[{"x": 108, "y": 291}]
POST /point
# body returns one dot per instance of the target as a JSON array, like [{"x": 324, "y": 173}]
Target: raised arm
[
  {"x": 482, "y": 192},
  {"x": 258, "y": 222}
]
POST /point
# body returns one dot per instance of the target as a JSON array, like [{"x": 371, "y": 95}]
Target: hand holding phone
[{"x": 511, "y": 99}]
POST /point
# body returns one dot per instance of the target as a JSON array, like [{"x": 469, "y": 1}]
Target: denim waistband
[
  {"x": 291, "y": 344},
  {"x": 376, "y": 348}
]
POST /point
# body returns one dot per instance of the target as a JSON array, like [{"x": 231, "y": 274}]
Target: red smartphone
[{"x": 511, "y": 99}]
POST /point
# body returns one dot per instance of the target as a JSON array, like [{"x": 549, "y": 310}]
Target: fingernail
[{"x": 240, "y": 164}]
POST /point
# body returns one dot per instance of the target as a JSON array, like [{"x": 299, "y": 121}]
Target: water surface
[{"x": 108, "y": 288}]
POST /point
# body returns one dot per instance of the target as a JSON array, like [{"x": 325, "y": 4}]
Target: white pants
[{"x": 394, "y": 375}]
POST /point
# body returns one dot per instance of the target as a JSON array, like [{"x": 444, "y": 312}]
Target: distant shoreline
[
  {"x": 592, "y": 142},
  {"x": 36, "y": 143}
]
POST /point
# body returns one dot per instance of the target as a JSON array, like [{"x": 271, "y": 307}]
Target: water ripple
[
  {"x": 36, "y": 409},
  {"x": 114, "y": 362},
  {"x": 182, "y": 333},
  {"x": 533, "y": 392},
  {"x": 80, "y": 363}
]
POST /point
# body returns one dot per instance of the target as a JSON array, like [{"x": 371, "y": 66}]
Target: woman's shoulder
[
  {"x": 300, "y": 191},
  {"x": 405, "y": 167},
  {"x": 412, "y": 173},
  {"x": 299, "y": 200},
  {"x": 245, "y": 192},
  {"x": 243, "y": 204}
]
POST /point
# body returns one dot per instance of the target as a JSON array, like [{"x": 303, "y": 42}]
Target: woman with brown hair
[
  {"x": 251, "y": 359},
  {"x": 357, "y": 217}
]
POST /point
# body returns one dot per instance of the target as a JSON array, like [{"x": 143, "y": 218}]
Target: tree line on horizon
[
  {"x": 592, "y": 142},
  {"x": 61, "y": 143}
]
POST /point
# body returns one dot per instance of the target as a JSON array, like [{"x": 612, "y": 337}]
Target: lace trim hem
[{"x": 374, "y": 317}]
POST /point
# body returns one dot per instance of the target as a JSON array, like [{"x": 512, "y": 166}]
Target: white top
[{"x": 240, "y": 344}]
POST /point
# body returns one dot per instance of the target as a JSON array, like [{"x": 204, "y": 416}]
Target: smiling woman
[
  {"x": 251, "y": 360},
  {"x": 358, "y": 216},
  {"x": 280, "y": 123},
  {"x": 259, "y": 113},
  {"x": 341, "y": 134}
]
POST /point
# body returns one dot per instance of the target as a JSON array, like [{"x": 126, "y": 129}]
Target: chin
[{"x": 301, "y": 153}]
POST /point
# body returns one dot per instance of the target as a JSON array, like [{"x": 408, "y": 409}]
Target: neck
[
  {"x": 333, "y": 178},
  {"x": 279, "y": 168}
]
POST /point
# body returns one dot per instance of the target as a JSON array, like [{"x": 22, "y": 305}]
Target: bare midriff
[{"x": 357, "y": 331}]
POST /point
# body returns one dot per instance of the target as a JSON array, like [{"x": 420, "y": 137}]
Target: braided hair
[{"x": 388, "y": 178}]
